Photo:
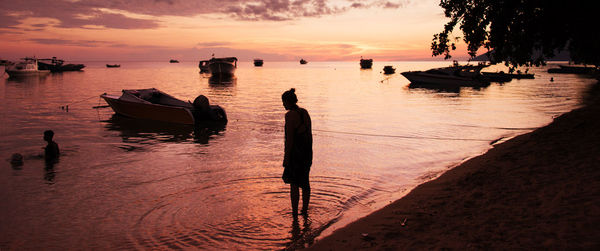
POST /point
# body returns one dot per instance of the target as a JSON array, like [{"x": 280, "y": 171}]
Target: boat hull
[
  {"x": 171, "y": 114},
  {"x": 17, "y": 73},
  {"x": 222, "y": 68},
  {"x": 427, "y": 79}
]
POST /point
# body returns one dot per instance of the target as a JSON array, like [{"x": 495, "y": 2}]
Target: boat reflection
[
  {"x": 152, "y": 132},
  {"x": 26, "y": 79},
  {"x": 437, "y": 88},
  {"x": 220, "y": 80}
]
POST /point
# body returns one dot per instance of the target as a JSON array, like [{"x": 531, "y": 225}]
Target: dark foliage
[{"x": 522, "y": 32}]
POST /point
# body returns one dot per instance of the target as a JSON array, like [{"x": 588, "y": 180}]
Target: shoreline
[{"x": 539, "y": 190}]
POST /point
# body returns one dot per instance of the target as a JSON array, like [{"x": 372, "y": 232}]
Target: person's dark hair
[
  {"x": 290, "y": 96},
  {"x": 49, "y": 134}
]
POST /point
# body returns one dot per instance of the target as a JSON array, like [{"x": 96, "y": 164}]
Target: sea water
[{"x": 129, "y": 184}]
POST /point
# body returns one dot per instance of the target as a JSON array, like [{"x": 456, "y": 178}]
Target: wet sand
[{"x": 540, "y": 190}]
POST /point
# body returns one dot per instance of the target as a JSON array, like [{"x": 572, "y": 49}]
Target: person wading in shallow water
[
  {"x": 298, "y": 151},
  {"x": 51, "y": 151}
]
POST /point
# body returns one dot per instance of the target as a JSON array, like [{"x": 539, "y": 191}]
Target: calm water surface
[{"x": 122, "y": 184}]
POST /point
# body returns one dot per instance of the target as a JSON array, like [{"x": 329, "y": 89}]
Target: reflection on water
[
  {"x": 131, "y": 184},
  {"x": 220, "y": 80},
  {"x": 26, "y": 79},
  {"x": 153, "y": 132}
]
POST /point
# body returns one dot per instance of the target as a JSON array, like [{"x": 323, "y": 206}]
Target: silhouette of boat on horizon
[
  {"x": 388, "y": 69},
  {"x": 222, "y": 66},
  {"x": 25, "y": 68},
  {"x": 453, "y": 76},
  {"x": 573, "y": 69},
  {"x": 366, "y": 63},
  {"x": 505, "y": 77},
  {"x": 173, "y": 61},
  {"x": 57, "y": 65},
  {"x": 302, "y": 61},
  {"x": 113, "y": 65},
  {"x": 258, "y": 62},
  {"x": 152, "y": 104}
]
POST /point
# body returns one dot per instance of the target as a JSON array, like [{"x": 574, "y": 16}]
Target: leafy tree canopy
[{"x": 522, "y": 32}]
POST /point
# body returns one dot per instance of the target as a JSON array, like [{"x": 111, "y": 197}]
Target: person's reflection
[
  {"x": 301, "y": 236},
  {"x": 49, "y": 173}
]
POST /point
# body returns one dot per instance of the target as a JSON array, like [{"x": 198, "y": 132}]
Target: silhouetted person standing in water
[
  {"x": 51, "y": 151},
  {"x": 298, "y": 151}
]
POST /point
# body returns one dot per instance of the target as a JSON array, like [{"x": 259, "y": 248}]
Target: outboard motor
[{"x": 203, "y": 111}]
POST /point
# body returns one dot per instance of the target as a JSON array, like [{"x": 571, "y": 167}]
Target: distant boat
[
  {"x": 505, "y": 77},
  {"x": 222, "y": 66},
  {"x": 388, "y": 69},
  {"x": 152, "y": 104},
  {"x": 27, "y": 67},
  {"x": 453, "y": 76},
  {"x": 366, "y": 63},
  {"x": 302, "y": 61},
  {"x": 574, "y": 69},
  {"x": 113, "y": 65},
  {"x": 173, "y": 61},
  {"x": 203, "y": 65},
  {"x": 258, "y": 62},
  {"x": 4, "y": 62},
  {"x": 57, "y": 65}
]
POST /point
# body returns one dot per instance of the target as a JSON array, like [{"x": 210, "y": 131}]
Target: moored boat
[
  {"x": 574, "y": 69},
  {"x": 505, "y": 77},
  {"x": 388, "y": 69},
  {"x": 453, "y": 76},
  {"x": 113, "y": 65},
  {"x": 203, "y": 65},
  {"x": 222, "y": 66},
  {"x": 302, "y": 61},
  {"x": 57, "y": 65},
  {"x": 152, "y": 104},
  {"x": 27, "y": 67},
  {"x": 366, "y": 63},
  {"x": 258, "y": 62}
]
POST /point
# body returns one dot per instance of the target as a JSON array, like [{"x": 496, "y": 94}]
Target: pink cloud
[{"x": 89, "y": 12}]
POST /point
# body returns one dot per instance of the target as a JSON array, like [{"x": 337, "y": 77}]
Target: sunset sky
[{"x": 275, "y": 30}]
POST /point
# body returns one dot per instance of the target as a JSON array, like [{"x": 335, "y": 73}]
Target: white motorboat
[{"x": 27, "y": 67}]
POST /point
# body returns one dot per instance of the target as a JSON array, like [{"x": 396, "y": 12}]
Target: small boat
[
  {"x": 173, "y": 61},
  {"x": 152, "y": 104},
  {"x": 222, "y": 66},
  {"x": 505, "y": 77},
  {"x": 453, "y": 76},
  {"x": 366, "y": 63},
  {"x": 258, "y": 62},
  {"x": 27, "y": 67},
  {"x": 388, "y": 69},
  {"x": 57, "y": 65},
  {"x": 574, "y": 69},
  {"x": 113, "y": 65},
  {"x": 203, "y": 65},
  {"x": 302, "y": 61}
]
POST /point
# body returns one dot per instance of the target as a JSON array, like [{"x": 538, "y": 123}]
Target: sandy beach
[{"x": 537, "y": 191}]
